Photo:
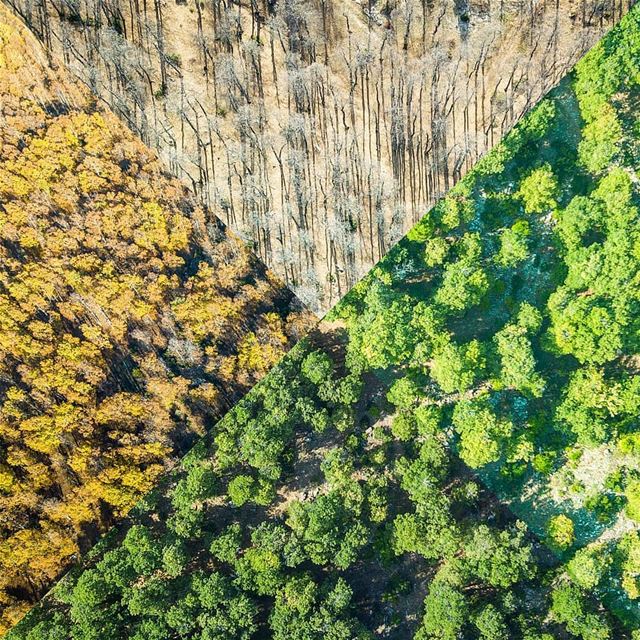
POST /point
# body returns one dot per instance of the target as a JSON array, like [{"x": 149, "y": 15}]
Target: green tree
[
  {"x": 482, "y": 433},
  {"x": 491, "y": 624},
  {"x": 588, "y": 566},
  {"x": 330, "y": 528},
  {"x": 241, "y": 489},
  {"x": 560, "y": 532},
  {"x": 500, "y": 558},
  {"x": 457, "y": 367},
  {"x": 305, "y": 611},
  {"x": 584, "y": 326},
  {"x": 464, "y": 284},
  {"x": 569, "y": 608},
  {"x": 226, "y": 545},
  {"x": 447, "y": 611},
  {"x": 513, "y": 244},
  {"x": 539, "y": 190},
  {"x": 517, "y": 362},
  {"x": 632, "y": 493},
  {"x": 404, "y": 393}
]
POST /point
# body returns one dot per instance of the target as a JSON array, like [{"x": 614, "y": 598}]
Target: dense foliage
[
  {"x": 129, "y": 320},
  {"x": 454, "y": 453}
]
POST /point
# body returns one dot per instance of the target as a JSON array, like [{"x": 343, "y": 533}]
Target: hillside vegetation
[
  {"x": 453, "y": 453},
  {"x": 320, "y": 131},
  {"x": 129, "y": 320}
]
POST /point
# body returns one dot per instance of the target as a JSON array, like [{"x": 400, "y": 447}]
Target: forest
[
  {"x": 320, "y": 132},
  {"x": 452, "y": 453},
  {"x": 130, "y": 320}
]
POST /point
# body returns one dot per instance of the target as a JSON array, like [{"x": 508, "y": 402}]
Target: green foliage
[
  {"x": 517, "y": 362},
  {"x": 560, "y": 532},
  {"x": 241, "y": 489},
  {"x": 588, "y": 566},
  {"x": 226, "y": 545},
  {"x": 260, "y": 568},
  {"x": 513, "y": 244},
  {"x": 500, "y": 558},
  {"x": 569, "y": 608},
  {"x": 600, "y": 140},
  {"x": 456, "y": 208},
  {"x": 305, "y": 611},
  {"x": 404, "y": 426},
  {"x": 436, "y": 251},
  {"x": 456, "y": 367},
  {"x": 592, "y": 403},
  {"x": 329, "y": 529},
  {"x": 491, "y": 624},
  {"x": 585, "y": 327},
  {"x": 404, "y": 393},
  {"x": 632, "y": 493},
  {"x": 446, "y": 611},
  {"x": 382, "y": 336},
  {"x": 539, "y": 190},
  {"x": 482, "y": 433},
  {"x": 464, "y": 282},
  {"x": 317, "y": 367}
]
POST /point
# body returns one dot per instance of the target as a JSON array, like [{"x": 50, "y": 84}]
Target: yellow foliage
[
  {"x": 102, "y": 269},
  {"x": 7, "y": 479}
]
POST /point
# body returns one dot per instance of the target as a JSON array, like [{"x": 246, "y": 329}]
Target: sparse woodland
[
  {"x": 320, "y": 131},
  {"x": 129, "y": 320}
]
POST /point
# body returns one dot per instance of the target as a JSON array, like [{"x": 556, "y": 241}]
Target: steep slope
[
  {"x": 129, "y": 320},
  {"x": 320, "y": 131},
  {"x": 486, "y": 370}
]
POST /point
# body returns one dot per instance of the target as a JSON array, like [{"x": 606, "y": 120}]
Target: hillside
[
  {"x": 454, "y": 452},
  {"x": 129, "y": 320},
  {"x": 320, "y": 131}
]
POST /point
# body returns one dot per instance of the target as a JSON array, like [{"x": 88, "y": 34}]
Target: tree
[
  {"x": 569, "y": 608},
  {"x": 329, "y": 528},
  {"x": 317, "y": 367},
  {"x": 457, "y": 367},
  {"x": 260, "y": 568},
  {"x": 446, "y": 612},
  {"x": 404, "y": 393},
  {"x": 305, "y": 611},
  {"x": 589, "y": 405},
  {"x": 560, "y": 532},
  {"x": 588, "y": 565},
  {"x": 382, "y": 335},
  {"x": 513, "y": 244},
  {"x": 491, "y": 624},
  {"x": 404, "y": 426},
  {"x": 226, "y": 545},
  {"x": 175, "y": 558},
  {"x": 539, "y": 190},
  {"x": 241, "y": 489},
  {"x": 225, "y": 611},
  {"x": 585, "y": 327},
  {"x": 464, "y": 284},
  {"x": 482, "y": 433},
  {"x": 436, "y": 250},
  {"x": 430, "y": 532},
  {"x": 632, "y": 493},
  {"x": 517, "y": 362},
  {"x": 628, "y": 552},
  {"x": 500, "y": 558}
]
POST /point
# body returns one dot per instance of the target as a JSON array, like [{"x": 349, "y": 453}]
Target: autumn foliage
[{"x": 129, "y": 319}]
